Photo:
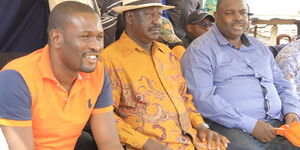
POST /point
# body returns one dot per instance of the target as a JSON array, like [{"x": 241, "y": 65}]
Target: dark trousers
[
  {"x": 86, "y": 142},
  {"x": 240, "y": 140}
]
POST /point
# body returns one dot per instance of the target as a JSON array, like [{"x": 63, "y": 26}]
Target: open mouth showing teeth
[{"x": 92, "y": 58}]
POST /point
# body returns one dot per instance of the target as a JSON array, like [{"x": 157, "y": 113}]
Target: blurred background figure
[
  {"x": 23, "y": 25},
  {"x": 168, "y": 37},
  {"x": 110, "y": 19},
  {"x": 178, "y": 16},
  {"x": 198, "y": 23},
  {"x": 288, "y": 60}
]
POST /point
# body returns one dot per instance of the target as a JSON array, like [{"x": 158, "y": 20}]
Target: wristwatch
[{"x": 205, "y": 125}]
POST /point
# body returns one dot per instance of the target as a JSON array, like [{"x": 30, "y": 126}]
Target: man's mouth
[
  {"x": 237, "y": 26},
  {"x": 92, "y": 58},
  {"x": 155, "y": 29}
]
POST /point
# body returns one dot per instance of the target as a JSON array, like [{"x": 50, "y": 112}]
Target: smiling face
[
  {"x": 146, "y": 23},
  {"x": 232, "y": 18},
  {"x": 82, "y": 42}
]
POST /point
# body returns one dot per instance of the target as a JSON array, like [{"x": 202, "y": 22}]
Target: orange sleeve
[
  {"x": 102, "y": 110},
  {"x": 15, "y": 123}
]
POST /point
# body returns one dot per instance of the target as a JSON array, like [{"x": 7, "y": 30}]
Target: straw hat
[{"x": 137, "y": 4}]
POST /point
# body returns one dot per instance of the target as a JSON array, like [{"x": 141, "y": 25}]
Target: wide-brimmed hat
[
  {"x": 137, "y": 4},
  {"x": 167, "y": 32}
]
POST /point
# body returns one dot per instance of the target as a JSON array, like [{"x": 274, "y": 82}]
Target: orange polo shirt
[
  {"x": 150, "y": 98},
  {"x": 32, "y": 96}
]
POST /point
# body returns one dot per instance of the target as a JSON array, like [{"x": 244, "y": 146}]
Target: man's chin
[
  {"x": 154, "y": 37},
  {"x": 87, "y": 69}
]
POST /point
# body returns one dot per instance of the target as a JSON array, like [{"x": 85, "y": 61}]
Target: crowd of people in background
[{"x": 143, "y": 74}]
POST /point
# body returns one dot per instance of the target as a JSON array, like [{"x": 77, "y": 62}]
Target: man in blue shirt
[{"x": 236, "y": 83}]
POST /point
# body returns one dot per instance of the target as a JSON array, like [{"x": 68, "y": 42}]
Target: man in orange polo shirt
[{"x": 48, "y": 96}]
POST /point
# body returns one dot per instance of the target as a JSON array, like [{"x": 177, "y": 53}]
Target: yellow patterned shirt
[{"x": 150, "y": 98}]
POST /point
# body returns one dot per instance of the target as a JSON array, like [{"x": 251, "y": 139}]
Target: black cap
[{"x": 198, "y": 16}]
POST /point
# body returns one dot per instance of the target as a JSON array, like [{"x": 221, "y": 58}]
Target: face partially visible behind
[
  {"x": 197, "y": 30},
  {"x": 146, "y": 24},
  {"x": 232, "y": 18},
  {"x": 83, "y": 41}
]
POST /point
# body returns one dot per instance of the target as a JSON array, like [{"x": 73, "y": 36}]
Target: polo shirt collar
[
  {"x": 45, "y": 66},
  {"x": 223, "y": 41},
  {"x": 129, "y": 46}
]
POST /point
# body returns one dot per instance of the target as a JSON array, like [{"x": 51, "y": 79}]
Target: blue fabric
[
  {"x": 105, "y": 97},
  {"x": 165, "y": 12},
  {"x": 234, "y": 87},
  {"x": 15, "y": 99},
  {"x": 23, "y": 25}
]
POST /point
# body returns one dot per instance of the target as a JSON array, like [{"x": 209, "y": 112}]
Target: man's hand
[
  {"x": 154, "y": 145},
  {"x": 291, "y": 117},
  {"x": 205, "y": 134},
  {"x": 263, "y": 131}
]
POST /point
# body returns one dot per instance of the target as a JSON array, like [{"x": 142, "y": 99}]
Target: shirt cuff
[
  {"x": 196, "y": 120},
  {"x": 293, "y": 109},
  {"x": 248, "y": 124},
  {"x": 138, "y": 141}
]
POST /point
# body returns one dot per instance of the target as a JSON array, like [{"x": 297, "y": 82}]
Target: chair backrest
[{"x": 5, "y": 57}]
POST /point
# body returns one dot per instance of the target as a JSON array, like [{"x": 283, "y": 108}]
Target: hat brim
[
  {"x": 212, "y": 18},
  {"x": 170, "y": 38},
  {"x": 121, "y": 9}
]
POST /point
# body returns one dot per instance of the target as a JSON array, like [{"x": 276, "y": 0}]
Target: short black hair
[{"x": 59, "y": 15}]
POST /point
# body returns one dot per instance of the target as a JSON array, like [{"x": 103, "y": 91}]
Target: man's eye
[
  {"x": 244, "y": 13},
  {"x": 84, "y": 37},
  {"x": 99, "y": 37}
]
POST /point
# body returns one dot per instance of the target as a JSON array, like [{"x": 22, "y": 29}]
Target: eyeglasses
[{"x": 203, "y": 24}]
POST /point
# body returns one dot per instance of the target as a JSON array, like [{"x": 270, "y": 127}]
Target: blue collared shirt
[{"x": 236, "y": 87}]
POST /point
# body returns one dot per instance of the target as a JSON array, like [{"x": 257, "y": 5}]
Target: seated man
[
  {"x": 168, "y": 37},
  {"x": 198, "y": 23},
  {"x": 288, "y": 60},
  {"x": 48, "y": 96},
  {"x": 152, "y": 108},
  {"x": 236, "y": 83}
]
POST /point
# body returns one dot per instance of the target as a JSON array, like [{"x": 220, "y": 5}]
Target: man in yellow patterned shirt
[{"x": 152, "y": 108}]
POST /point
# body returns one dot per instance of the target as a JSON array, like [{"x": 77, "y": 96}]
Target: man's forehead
[
  {"x": 150, "y": 9},
  {"x": 83, "y": 18},
  {"x": 229, "y": 7},
  {"x": 227, "y": 4},
  {"x": 83, "y": 21}
]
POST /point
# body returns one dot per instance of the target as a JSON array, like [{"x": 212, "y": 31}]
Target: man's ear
[
  {"x": 189, "y": 28},
  {"x": 216, "y": 16},
  {"x": 129, "y": 17},
  {"x": 56, "y": 38}
]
